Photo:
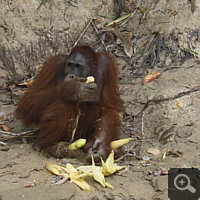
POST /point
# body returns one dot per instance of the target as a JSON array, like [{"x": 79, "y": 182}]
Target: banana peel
[
  {"x": 96, "y": 173},
  {"x": 69, "y": 172},
  {"x": 77, "y": 175},
  {"x": 82, "y": 184},
  {"x": 118, "y": 143},
  {"x": 99, "y": 173},
  {"x": 80, "y": 143},
  {"x": 57, "y": 170},
  {"x": 109, "y": 167}
]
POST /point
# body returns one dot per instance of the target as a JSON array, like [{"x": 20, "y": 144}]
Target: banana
[
  {"x": 77, "y": 144},
  {"x": 118, "y": 143},
  {"x": 90, "y": 79}
]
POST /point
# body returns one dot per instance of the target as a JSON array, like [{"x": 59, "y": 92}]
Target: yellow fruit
[
  {"x": 118, "y": 143},
  {"x": 90, "y": 79},
  {"x": 77, "y": 144}
]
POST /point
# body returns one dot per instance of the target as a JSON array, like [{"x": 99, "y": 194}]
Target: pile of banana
[{"x": 77, "y": 175}]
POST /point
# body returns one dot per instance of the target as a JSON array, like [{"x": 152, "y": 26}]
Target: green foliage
[{"x": 42, "y": 3}]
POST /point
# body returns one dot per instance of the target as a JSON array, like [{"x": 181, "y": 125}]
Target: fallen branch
[
  {"x": 126, "y": 155},
  {"x": 83, "y": 32},
  {"x": 168, "y": 99},
  {"x": 6, "y": 135}
]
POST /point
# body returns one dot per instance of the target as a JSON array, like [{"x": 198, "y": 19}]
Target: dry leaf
[
  {"x": 3, "y": 116},
  {"x": 151, "y": 77},
  {"x": 132, "y": 6},
  {"x": 60, "y": 181},
  {"x": 174, "y": 13},
  {"x": 108, "y": 38},
  {"x": 154, "y": 151},
  {"x": 146, "y": 158},
  {"x": 190, "y": 124},
  {"x": 145, "y": 163},
  {"x": 27, "y": 83},
  {"x": 178, "y": 104},
  {"x": 164, "y": 172},
  {"x": 177, "y": 153},
  {"x": 29, "y": 184},
  {"x": 115, "y": 24},
  {"x": 124, "y": 171},
  {"x": 5, "y": 127},
  {"x": 128, "y": 49}
]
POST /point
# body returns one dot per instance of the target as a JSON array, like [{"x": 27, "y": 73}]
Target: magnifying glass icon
[{"x": 182, "y": 182}]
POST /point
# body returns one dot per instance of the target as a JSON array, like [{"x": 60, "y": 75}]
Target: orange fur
[{"x": 52, "y": 104}]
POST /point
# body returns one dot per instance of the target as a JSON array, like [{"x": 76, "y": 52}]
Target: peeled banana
[
  {"x": 77, "y": 144},
  {"x": 118, "y": 143},
  {"x": 90, "y": 79},
  {"x": 114, "y": 144}
]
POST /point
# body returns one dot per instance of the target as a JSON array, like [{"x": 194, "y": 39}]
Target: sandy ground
[{"x": 149, "y": 107}]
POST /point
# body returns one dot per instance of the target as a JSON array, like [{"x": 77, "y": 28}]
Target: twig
[
  {"x": 131, "y": 15},
  {"x": 3, "y": 144},
  {"x": 134, "y": 155},
  {"x": 151, "y": 87},
  {"x": 173, "y": 67},
  {"x": 83, "y": 32},
  {"x": 140, "y": 47},
  {"x": 128, "y": 18},
  {"x": 105, "y": 16},
  {"x": 150, "y": 42},
  {"x": 126, "y": 155},
  {"x": 16, "y": 134},
  {"x": 143, "y": 124},
  {"x": 42, "y": 3},
  {"x": 142, "y": 129},
  {"x": 194, "y": 53},
  {"x": 95, "y": 28},
  {"x": 5, "y": 135},
  {"x": 119, "y": 19},
  {"x": 168, "y": 99}
]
